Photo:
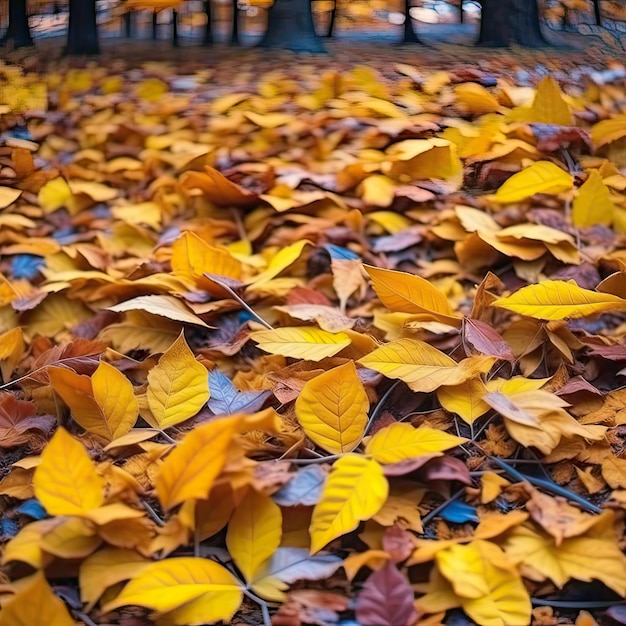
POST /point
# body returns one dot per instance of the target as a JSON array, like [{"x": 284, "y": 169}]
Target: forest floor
[{"x": 313, "y": 339}]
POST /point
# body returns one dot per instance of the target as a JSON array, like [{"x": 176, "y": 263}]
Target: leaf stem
[
  {"x": 265, "y": 610},
  {"x": 379, "y": 406},
  {"x": 153, "y": 514},
  {"x": 428, "y": 518}
]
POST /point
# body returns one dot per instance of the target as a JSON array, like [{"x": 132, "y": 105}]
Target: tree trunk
[
  {"x": 409, "y": 35},
  {"x": 175, "y": 42},
  {"x": 505, "y": 22},
  {"x": 234, "y": 35},
  {"x": 155, "y": 25},
  {"x": 207, "y": 39},
  {"x": 290, "y": 26},
  {"x": 331, "y": 23},
  {"x": 597, "y": 12},
  {"x": 18, "y": 30},
  {"x": 129, "y": 18},
  {"x": 461, "y": 12},
  {"x": 82, "y": 33}
]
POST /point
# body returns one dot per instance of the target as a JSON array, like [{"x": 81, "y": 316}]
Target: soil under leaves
[{"x": 313, "y": 339}]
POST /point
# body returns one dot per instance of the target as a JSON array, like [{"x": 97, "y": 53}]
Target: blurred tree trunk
[
  {"x": 207, "y": 39},
  {"x": 18, "y": 31},
  {"x": 461, "y": 12},
  {"x": 175, "y": 41},
  {"x": 409, "y": 35},
  {"x": 82, "y": 32},
  {"x": 333, "y": 17},
  {"x": 597, "y": 12},
  {"x": 290, "y": 26},
  {"x": 234, "y": 35},
  {"x": 129, "y": 19},
  {"x": 505, "y": 22},
  {"x": 155, "y": 25}
]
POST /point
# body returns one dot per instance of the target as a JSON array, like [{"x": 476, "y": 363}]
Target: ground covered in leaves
[{"x": 337, "y": 342}]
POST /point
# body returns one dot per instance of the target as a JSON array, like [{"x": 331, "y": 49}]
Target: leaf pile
[{"x": 312, "y": 345}]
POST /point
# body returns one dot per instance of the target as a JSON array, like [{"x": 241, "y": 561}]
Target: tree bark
[
  {"x": 331, "y": 23},
  {"x": 82, "y": 33},
  {"x": 18, "y": 31},
  {"x": 597, "y": 12},
  {"x": 505, "y": 22},
  {"x": 175, "y": 41},
  {"x": 207, "y": 39},
  {"x": 290, "y": 26},
  {"x": 234, "y": 35},
  {"x": 409, "y": 35}
]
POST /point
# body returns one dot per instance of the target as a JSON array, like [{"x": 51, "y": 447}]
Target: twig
[
  {"x": 321, "y": 459},
  {"x": 196, "y": 540},
  {"x": 378, "y": 408},
  {"x": 265, "y": 609},
  {"x": 243, "y": 303},
  {"x": 546, "y": 485},
  {"x": 84, "y": 618},
  {"x": 153, "y": 514},
  {"x": 167, "y": 437},
  {"x": 428, "y": 518},
  {"x": 564, "y": 604}
]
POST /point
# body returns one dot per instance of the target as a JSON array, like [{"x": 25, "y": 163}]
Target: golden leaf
[
  {"x": 593, "y": 204},
  {"x": 355, "y": 490},
  {"x": 401, "y": 441},
  {"x": 178, "y": 386},
  {"x": 190, "y": 470},
  {"x": 35, "y": 604},
  {"x": 254, "y": 533},
  {"x": 540, "y": 177},
  {"x": 311, "y": 344},
  {"x": 549, "y": 106},
  {"x": 422, "y": 367},
  {"x": 557, "y": 300},
  {"x": 466, "y": 399},
  {"x": 195, "y": 591},
  {"x": 66, "y": 481},
  {"x": 332, "y": 409}
]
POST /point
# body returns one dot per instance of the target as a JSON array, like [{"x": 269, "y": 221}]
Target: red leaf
[
  {"x": 446, "y": 468},
  {"x": 398, "y": 542},
  {"x": 386, "y": 599},
  {"x": 17, "y": 417},
  {"x": 486, "y": 340}
]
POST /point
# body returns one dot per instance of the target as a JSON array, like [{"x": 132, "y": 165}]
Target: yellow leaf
[
  {"x": 106, "y": 568},
  {"x": 609, "y": 130},
  {"x": 422, "y": 367},
  {"x": 402, "y": 441},
  {"x": 540, "y": 177},
  {"x": 196, "y": 590},
  {"x": 377, "y": 190},
  {"x": 254, "y": 533},
  {"x": 311, "y": 344},
  {"x": 332, "y": 408},
  {"x": 466, "y": 399},
  {"x": 26, "y": 545},
  {"x": 549, "y": 106},
  {"x": 55, "y": 194},
  {"x": 489, "y": 587},
  {"x": 192, "y": 256},
  {"x": 35, "y": 604},
  {"x": 474, "y": 98},
  {"x": 593, "y": 204},
  {"x": 96, "y": 191},
  {"x": 189, "y": 471},
  {"x": 408, "y": 293},
  {"x": 11, "y": 351},
  {"x": 355, "y": 490},
  {"x": 391, "y": 221},
  {"x": 66, "y": 481},
  {"x": 281, "y": 261},
  {"x": 164, "y": 306},
  {"x": 594, "y": 555},
  {"x": 151, "y": 90},
  {"x": 8, "y": 196},
  {"x": 178, "y": 386},
  {"x": 115, "y": 396},
  {"x": 557, "y": 300}
]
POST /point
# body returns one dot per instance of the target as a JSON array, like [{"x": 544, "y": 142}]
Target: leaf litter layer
[{"x": 337, "y": 340}]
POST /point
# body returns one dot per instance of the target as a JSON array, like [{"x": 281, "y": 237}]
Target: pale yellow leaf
[
  {"x": 307, "y": 342},
  {"x": 165, "y": 306},
  {"x": 540, "y": 177},
  {"x": 593, "y": 204}
]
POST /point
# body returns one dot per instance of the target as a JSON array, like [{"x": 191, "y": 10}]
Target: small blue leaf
[
  {"x": 26, "y": 266},
  {"x": 32, "y": 508},
  {"x": 459, "y": 512},
  {"x": 304, "y": 488},
  {"x": 339, "y": 253},
  {"x": 8, "y": 528},
  {"x": 227, "y": 399}
]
